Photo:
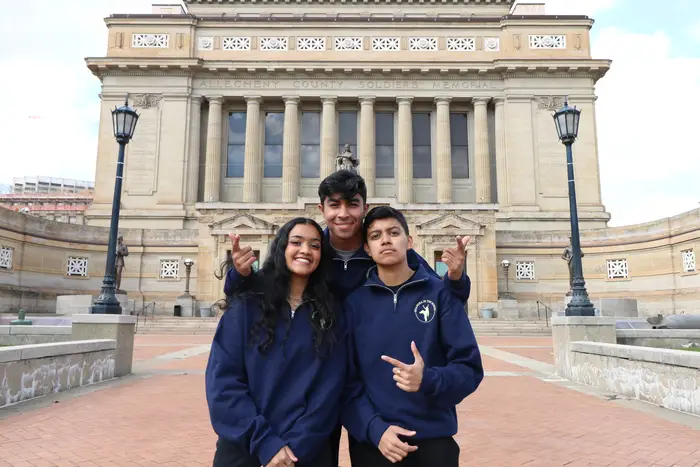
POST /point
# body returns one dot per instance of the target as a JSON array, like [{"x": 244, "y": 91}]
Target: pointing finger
[
  {"x": 416, "y": 354},
  {"x": 395, "y": 362},
  {"x": 235, "y": 239}
]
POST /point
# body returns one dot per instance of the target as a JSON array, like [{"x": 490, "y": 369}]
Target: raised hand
[
  {"x": 408, "y": 377},
  {"x": 243, "y": 258},
  {"x": 392, "y": 447},
  {"x": 455, "y": 257}
]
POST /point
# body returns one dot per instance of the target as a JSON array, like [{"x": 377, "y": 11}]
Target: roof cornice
[{"x": 495, "y": 69}]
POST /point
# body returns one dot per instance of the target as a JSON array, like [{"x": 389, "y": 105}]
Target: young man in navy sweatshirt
[
  {"x": 343, "y": 203},
  {"x": 414, "y": 352}
]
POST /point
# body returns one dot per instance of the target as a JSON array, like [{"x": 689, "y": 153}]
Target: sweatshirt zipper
[
  {"x": 396, "y": 295},
  {"x": 345, "y": 262}
]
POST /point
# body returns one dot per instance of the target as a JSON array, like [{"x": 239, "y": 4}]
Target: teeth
[{"x": 302, "y": 260}]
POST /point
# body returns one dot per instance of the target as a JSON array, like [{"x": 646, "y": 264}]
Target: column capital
[
  {"x": 253, "y": 99},
  {"x": 215, "y": 99},
  {"x": 405, "y": 100},
  {"x": 290, "y": 99},
  {"x": 443, "y": 100},
  {"x": 329, "y": 99},
  {"x": 480, "y": 100},
  {"x": 366, "y": 99},
  {"x": 500, "y": 100},
  {"x": 196, "y": 99}
]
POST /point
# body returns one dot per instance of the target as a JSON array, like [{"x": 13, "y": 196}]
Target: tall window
[
  {"x": 310, "y": 144},
  {"x": 460, "y": 148},
  {"x": 422, "y": 167},
  {"x": 236, "y": 144},
  {"x": 384, "y": 127},
  {"x": 274, "y": 132},
  {"x": 347, "y": 131}
]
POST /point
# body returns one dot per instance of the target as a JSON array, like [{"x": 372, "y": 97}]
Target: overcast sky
[{"x": 646, "y": 107}]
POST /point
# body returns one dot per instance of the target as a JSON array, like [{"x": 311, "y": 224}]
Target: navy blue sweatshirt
[
  {"x": 382, "y": 322},
  {"x": 289, "y": 396},
  {"x": 346, "y": 276}
]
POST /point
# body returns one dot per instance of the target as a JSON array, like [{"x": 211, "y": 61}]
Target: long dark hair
[{"x": 271, "y": 287}]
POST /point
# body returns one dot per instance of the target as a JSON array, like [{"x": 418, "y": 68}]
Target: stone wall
[
  {"x": 31, "y": 371},
  {"x": 652, "y": 253},
  {"x": 47, "y": 259},
  {"x": 660, "y": 338},
  {"x": 663, "y": 377},
  {"x": 28, "y": 335}
]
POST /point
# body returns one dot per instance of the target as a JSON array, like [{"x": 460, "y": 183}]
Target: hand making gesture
[
  {"x": 455, "y": 257},
  {"x": 408, "y": 377},
  {"x": 243, "y": 258}
]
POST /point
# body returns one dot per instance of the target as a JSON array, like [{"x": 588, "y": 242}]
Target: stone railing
[
  {"x": 27, "y": 335},
  {"x": 664, "y": 377},
  {"x": 586, "y": 350},
  {"x": 663, "y": 338},
  {"x": 30, "y": 371}
]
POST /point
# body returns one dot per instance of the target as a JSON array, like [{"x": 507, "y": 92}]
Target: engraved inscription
[
  {"x": 142, "y": 158},
  {"x": 331, "y": 84}
]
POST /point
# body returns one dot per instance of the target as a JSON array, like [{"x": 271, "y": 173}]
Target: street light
[
  {"x": 566, "y": 121},
  {"x": 505, "y": 264},
  {"x": 124, "y": 120},
  {"x": 188, "y": 268}
]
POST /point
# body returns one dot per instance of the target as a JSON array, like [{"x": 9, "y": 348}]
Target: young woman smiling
[{"x": 277, "y": 364}]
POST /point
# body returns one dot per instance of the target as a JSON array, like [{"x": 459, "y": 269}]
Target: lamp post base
[
  {"x": 106, "y": 309},
  {"x": 579, "y": 306}
]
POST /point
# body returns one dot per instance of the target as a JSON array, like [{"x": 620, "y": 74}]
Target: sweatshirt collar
[
  {"x": 421, "y": 275},
  {"x": 360, "y": 253}
]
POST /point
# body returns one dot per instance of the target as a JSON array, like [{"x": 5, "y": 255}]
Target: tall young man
[
  {"x": 343, "y": 203},
  {"x": 414, "y": 380}
]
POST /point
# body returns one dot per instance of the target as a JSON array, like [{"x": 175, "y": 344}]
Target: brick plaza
[{"x": 522, "y": 415}]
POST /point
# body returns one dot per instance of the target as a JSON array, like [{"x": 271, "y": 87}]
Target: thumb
[
  {"x": 291, "y": 454},
  {"x": 466, "y": 241},
  {"x": 403, "y": 432},
  {"x": 460, "y": 243},
  {"x": 416, "y": 354}
]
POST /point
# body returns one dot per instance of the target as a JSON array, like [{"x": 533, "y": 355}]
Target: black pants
[
  {"x": 233, "y": 455},
  {"x": 437, "y": 452}
]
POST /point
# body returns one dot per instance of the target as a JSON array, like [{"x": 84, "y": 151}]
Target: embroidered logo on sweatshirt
[{"x": 425, "y": 311}]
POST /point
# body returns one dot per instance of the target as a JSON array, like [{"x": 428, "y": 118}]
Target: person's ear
[
  {"x": 366, "y": 247},
  {"x": 320, "y": 207},
  {"x": 410, "y": 243}
]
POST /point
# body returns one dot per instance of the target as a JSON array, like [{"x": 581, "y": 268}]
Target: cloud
[
  {"x": 645, "y": 133},
  {"x": 51, "y": 101}
]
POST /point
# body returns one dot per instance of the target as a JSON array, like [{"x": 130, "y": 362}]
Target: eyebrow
[{"x": 318, "y": 239}]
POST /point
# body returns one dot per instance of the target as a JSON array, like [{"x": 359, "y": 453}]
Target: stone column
[
  {"x": 404, "y": 184},
  {"x": 193, "y": 151},
  {"x": 290, "y": 150},
  {"x": 329, "y": 136},
  {"x": 443, "y": 151},
  {"x": 368, "y": 145},
  {"x": 481, "y": 150},
  {"x": 501, "y": 165},
  {"x": 212, "y": 181},
  {"x": 253, "y": 163}
]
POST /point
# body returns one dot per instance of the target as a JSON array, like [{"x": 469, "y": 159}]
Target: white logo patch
[{"x": 425, "y": 311}]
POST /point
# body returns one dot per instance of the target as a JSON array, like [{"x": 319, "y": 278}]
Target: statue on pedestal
[
  {"x": 568, "y": 256},
  {"x": 346, "y": 160},
  {"x": 122, "y": 251}
]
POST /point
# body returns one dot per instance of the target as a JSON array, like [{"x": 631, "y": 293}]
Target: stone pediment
[
  {"x": 450, "y": 224},
  {"x": 243, "y": 224}
]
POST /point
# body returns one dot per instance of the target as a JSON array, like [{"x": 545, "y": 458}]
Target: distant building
[{"x": 57, "y": 199}]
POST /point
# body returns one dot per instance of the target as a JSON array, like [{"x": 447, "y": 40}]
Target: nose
[
  {"x": 342, "y": 211},
  {"x": 386, "y": 239},
  {"x": 305, "y": 248}
]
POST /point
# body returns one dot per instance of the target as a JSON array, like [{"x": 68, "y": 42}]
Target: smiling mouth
[{"x": 303, "y": 260}]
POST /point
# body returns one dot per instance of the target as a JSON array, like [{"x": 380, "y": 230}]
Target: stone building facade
[{"x": 244, "y": 105}]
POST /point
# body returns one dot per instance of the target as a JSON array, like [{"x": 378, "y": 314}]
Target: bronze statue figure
[
  {"x": 346, "y": 160},
  {"x": 122, "y": 251},
  {"x": 568, "y": 256}
]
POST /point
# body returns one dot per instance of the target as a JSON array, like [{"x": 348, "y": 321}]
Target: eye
[
  {"x": 315, "y": 246},
  {"x": 295, "y": 242}
]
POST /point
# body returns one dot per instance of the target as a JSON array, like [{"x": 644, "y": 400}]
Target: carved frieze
[
  {"x": 146, "y": 101},
  {"x": 552, "y": 103}
]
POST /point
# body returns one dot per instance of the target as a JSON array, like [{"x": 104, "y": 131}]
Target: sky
[{"x": 648, "y": 162}]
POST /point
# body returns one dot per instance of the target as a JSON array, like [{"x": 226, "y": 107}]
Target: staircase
[
  {"x": 207, "y": 326},
  {"x": 178, "y": 325},
  {"x": 514, "y": 328}
]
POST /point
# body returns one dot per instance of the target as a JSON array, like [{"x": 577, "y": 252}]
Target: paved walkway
[{"x": 520, "y": 416}]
